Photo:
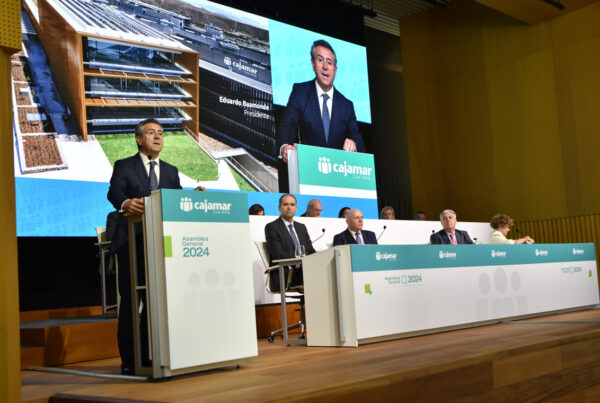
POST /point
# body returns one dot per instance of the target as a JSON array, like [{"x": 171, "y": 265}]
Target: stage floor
[{"x": 548, "y": 358}]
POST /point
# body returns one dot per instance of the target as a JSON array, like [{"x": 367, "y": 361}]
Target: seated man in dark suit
[
  {"x": 133, "y": 179},
  {"x": 449, "y": 235},
  {"x": 283, "y": 235},
  {"x": 355, "y": 234}
]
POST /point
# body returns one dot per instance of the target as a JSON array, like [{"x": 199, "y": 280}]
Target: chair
[
  {"x": 104, "y": 244},
  {"x": 270, "y": 270}
]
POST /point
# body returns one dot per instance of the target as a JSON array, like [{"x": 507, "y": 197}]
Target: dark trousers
[
  {"x": 126, "y": 323},
  {"x": 297, "y": 278}
]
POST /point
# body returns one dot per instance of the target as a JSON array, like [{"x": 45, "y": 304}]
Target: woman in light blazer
[{"x": 501, "y": 223}]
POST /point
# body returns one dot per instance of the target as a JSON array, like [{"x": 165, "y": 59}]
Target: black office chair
[{"x": 293, "y": 284}]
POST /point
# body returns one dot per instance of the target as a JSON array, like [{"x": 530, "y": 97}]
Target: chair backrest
[
  {"x": 266, "y": 258},
  {"x": 101, "y": 234},
  {"x": 264, "y": 253},
  {"x": 111, "y": 224}
]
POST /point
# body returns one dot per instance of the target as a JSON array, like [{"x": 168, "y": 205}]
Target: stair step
[
  {"x": 68, "y": 340},
  {"x": 32, "y": 356}
]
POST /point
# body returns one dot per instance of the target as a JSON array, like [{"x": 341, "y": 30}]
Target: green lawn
[
  {"x": 179, "y": 150},
  {"x": 241, "y": 182}
]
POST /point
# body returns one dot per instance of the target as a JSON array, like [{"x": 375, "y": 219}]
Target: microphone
[
  {"x": 384, "y": 227},
  {"x": 322, "y": 235}
]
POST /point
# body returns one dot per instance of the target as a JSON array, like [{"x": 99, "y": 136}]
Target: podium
[
  {"x": 357, "y": 294},
  {"x": 331, "y": 172},
  {"x": 195, "y": 289}
]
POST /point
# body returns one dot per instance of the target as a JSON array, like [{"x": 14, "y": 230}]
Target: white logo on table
[
  {"x": 498, "y": 253},
  {"x": 187, "y": 205},
  {"x": 447, "y": 255},
  {"x": 577, "y": 251},
  {"x": 324, "y": 165},
  {"x": 385, "y": 256},
  {"x": 540, "y": 252}
]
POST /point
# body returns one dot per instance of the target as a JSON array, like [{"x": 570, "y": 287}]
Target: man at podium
[
  {"x": 133, "y": 179},
  {"x": 317, "y": 114}
]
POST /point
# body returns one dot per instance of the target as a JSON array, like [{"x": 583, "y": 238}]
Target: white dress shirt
[{"x": 146, "y": 162}]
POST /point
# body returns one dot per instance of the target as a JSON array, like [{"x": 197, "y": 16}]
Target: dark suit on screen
[
  {"x": 303, "y": 111},
  {"x": 346, "y": 238},
  {"x": 130, "y": 180},
  {"x": 440, "y": 237},
  {"x": 281, "y": 246}
]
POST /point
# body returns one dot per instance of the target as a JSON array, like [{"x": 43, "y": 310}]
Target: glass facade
[
  {"x": 130, "y": 88},
  {"x": 118, "y": 119},
  {"x": 128, "y": 56},
  {"x": 238, "y": 115}
]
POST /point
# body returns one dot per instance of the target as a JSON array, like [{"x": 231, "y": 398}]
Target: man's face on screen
[
  {"x": 324, "y": 67},
  {"x": 151, "y": 141},
  {"x": 288, "y": 207}
]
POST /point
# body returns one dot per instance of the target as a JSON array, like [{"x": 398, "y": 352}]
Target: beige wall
[
  {"x": 503, "y": 116},
  {"x": 10, "y": 358}
]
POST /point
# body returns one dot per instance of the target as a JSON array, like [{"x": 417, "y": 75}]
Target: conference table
[{"x": 357, "y": 294}]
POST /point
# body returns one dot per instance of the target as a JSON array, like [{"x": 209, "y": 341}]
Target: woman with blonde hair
[
  {"x": 501, "y": 223},
  {"x": 387, "y": 213}
]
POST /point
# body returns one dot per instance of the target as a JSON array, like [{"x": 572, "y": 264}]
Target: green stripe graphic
[{"x": 168, "y": 242}]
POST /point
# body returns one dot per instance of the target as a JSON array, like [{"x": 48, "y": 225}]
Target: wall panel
[
  {"x": 456, "y": 40},
  {"x": 576, "y": 26},
  {"x": 515, "y": 106},
  {"x": 463, "y": 133},
  {"x": 10, "y": 376},
  {"x": 578, "y": 100},
  {"x": 526, "y": 143},
  {"x": 424, "y": 170},
  {"x": 505, "y": 38}
]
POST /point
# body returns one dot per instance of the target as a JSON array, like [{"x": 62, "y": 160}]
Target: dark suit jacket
[
  {"x": 279, "y": 240},
  {"x": 441, "y": 237},
  {"x": 346, "y": 238},
  {"x": 130, "y": 180},
  {"x": 304, "y": 105}
]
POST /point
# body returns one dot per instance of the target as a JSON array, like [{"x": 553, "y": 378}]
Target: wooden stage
[{"x": 552, "y": 358}]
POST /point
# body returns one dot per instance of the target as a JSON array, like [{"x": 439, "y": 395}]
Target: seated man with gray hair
[
  {"x": 449, "y": 235},
  {"x": 313, "y": 208}
]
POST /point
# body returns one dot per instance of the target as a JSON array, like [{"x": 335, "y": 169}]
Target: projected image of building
[
  {"x": 114, "y": 71},
  {"x": 235, "y": 94}
]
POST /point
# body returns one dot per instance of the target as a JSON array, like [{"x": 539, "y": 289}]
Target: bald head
[
  {"x": 355, "y": 220},
  {"x": 314, "y": 208}
]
